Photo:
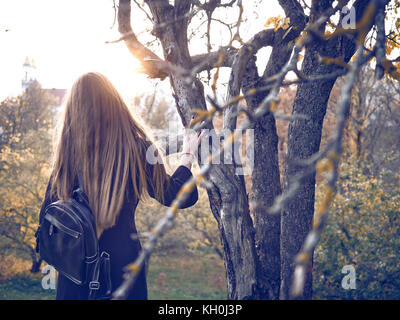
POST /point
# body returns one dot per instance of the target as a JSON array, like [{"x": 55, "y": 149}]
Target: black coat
[{"x": 118, "y": 243}]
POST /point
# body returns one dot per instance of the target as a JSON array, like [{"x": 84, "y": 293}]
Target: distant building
[
  {"x": 29, "y": 69},
  {"x": 29, "y": 76},
  {"x": 58, "y": 94}
]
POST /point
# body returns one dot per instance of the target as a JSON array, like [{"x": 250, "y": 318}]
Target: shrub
[{"x": 363, "y": 230}]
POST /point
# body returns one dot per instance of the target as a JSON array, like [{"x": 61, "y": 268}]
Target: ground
[{"x": 180, "y": 277}]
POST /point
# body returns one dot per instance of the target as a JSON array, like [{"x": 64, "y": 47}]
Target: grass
[
  {"x": 25, "y": 287},
  {"x": 186, "y": 278},
  {"x": 183, "y": 277}
]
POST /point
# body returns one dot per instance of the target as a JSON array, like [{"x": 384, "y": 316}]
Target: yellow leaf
[{"x": 278, "y": 22}]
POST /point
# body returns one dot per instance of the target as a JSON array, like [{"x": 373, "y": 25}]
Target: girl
[{"x": 101, "y": 139}]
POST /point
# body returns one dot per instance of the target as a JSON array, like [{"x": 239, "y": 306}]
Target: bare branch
[
  {"x": 261, "y": 39},
  {"x": 380, "y": 46},
  {"x": 294, "y": 11},
  {"x": 142, "y": 9},
  {"x": 207, "y": 61},
  {"x": 153, "y": 65}
]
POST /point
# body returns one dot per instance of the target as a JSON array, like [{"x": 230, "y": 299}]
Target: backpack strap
[
  {"x": 102, "y": 263},
  {"x": 94, "y": 285},
  {"x": 79, "y": 191},
  {"x": 107, "y": 271}
]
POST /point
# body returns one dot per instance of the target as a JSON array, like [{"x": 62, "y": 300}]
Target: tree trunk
[
  {"x": 304, "y": 137},
  {"x": 229, "y": 205},
  {"x": 36, "y": 263},
  {"x": 266, "y": 185}
]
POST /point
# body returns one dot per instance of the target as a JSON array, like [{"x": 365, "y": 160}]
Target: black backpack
[{"x": 66, "y": 239}]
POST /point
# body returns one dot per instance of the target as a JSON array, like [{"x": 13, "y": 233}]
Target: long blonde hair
[{"x": 100, "y": 138}]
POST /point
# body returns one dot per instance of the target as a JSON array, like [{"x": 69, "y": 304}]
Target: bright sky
[{"x": 67, "y": 38}]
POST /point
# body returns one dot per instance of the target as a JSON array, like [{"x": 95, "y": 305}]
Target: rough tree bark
[{"x": 266, "y": 185}]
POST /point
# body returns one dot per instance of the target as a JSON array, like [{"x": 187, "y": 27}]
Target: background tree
[
  {"x": 362, "y": 228},
  {"x": 25, "y": 152},
  {"x": 260, "y": 248}
]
